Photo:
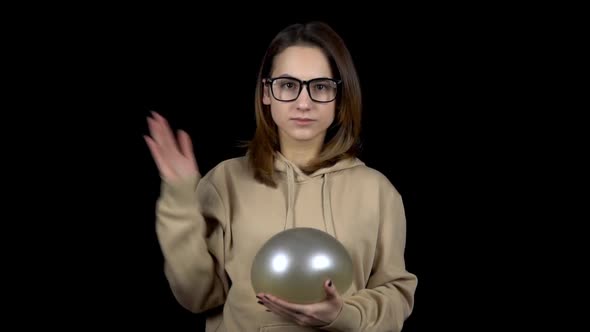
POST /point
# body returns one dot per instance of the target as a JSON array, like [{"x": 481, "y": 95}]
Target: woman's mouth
[{"x": 302, "y": 121}]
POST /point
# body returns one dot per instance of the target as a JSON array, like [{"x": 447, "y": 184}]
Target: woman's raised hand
[{"x": 173, "y": 154}]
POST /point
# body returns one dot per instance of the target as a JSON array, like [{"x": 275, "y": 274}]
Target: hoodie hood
[{"x": 295, "y": 175}]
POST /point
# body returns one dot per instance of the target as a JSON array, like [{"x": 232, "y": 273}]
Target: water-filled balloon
[{"x": 294, "y": 264}]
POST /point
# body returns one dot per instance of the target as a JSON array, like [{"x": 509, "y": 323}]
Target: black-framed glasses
[{"x": 321, "y": 90}]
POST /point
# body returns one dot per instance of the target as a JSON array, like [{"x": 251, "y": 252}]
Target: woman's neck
[{"x": 300, "y": 153}]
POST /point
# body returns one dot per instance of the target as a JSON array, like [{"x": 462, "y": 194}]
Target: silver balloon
[{"x": 294, "y": 264}]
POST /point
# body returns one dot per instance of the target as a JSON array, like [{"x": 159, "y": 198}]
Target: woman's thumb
[{"x": 330, "y": 288}]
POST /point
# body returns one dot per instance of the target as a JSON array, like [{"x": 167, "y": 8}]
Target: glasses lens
[
  {"x": 285, "y": 89},
  {"x": 323, "y": 90}
]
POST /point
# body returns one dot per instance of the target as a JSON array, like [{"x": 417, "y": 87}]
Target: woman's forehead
[{"x": 301, "y": 62}]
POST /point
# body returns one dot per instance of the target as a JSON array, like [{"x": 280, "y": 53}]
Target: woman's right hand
[{"x": 174, "y": 155}]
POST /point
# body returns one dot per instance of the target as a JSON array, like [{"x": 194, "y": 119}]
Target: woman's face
[{"x": 302, "y": 119}]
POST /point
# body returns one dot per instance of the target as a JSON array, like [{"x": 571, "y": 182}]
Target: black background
[{"x": 443, "y": 93}]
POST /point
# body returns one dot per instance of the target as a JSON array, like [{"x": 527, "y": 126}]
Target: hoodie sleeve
[
  {"x": 388, "y": 298},
  {"x": 189, "y": 225}
]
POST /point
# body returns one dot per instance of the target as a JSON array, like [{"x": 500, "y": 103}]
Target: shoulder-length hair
[{"x": 342, "y": 138}]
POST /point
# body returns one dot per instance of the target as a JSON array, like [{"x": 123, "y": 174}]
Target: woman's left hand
[{"x": 316, "y": 314}]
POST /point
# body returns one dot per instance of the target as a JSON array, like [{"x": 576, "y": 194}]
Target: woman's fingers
[
  {"x": 160, "y": 161},
  {"x": 162, "y": 137},
  {"x": 186, "y": 145},
  {"x": 155, "y": 131},
  {"x": 161, "y": 151},
  {"x": 165, "y": 135},
  {"x": 281, "y": 311}
]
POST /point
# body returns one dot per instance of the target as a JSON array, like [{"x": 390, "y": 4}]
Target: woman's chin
[{"x": 303, "y": 135}]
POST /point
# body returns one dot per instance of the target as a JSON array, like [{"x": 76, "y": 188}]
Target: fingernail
[
  {"x": 260, "y": 302},
  {"x": 330, "y": 283}
]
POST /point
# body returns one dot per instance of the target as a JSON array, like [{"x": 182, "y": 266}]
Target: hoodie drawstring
[
  {"x": 290, "y": 220},
  {"x": 327, "y": 208},
  {"x": 326, "y": 203}
]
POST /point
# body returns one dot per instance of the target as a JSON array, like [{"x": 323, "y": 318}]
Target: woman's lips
[{"x": 302, "y": 121}]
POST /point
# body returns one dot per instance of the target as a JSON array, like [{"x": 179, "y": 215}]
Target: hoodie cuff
[
  {"x": 347, "y": 320},
  {"x": 180, "y": 191}
]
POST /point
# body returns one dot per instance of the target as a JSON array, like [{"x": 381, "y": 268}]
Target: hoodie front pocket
[{"x": 283, "y": 327}]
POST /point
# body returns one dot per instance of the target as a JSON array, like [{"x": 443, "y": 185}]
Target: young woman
[{"x": 301, "y": 170}]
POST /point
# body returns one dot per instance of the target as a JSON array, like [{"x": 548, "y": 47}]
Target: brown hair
[{"x": 342, "y": 138}]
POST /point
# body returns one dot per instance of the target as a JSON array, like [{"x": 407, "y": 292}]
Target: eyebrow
[{"x": 285, "y": 75}]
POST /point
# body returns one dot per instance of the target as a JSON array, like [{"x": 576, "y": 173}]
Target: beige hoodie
[{"x": 211, "y": 227}]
